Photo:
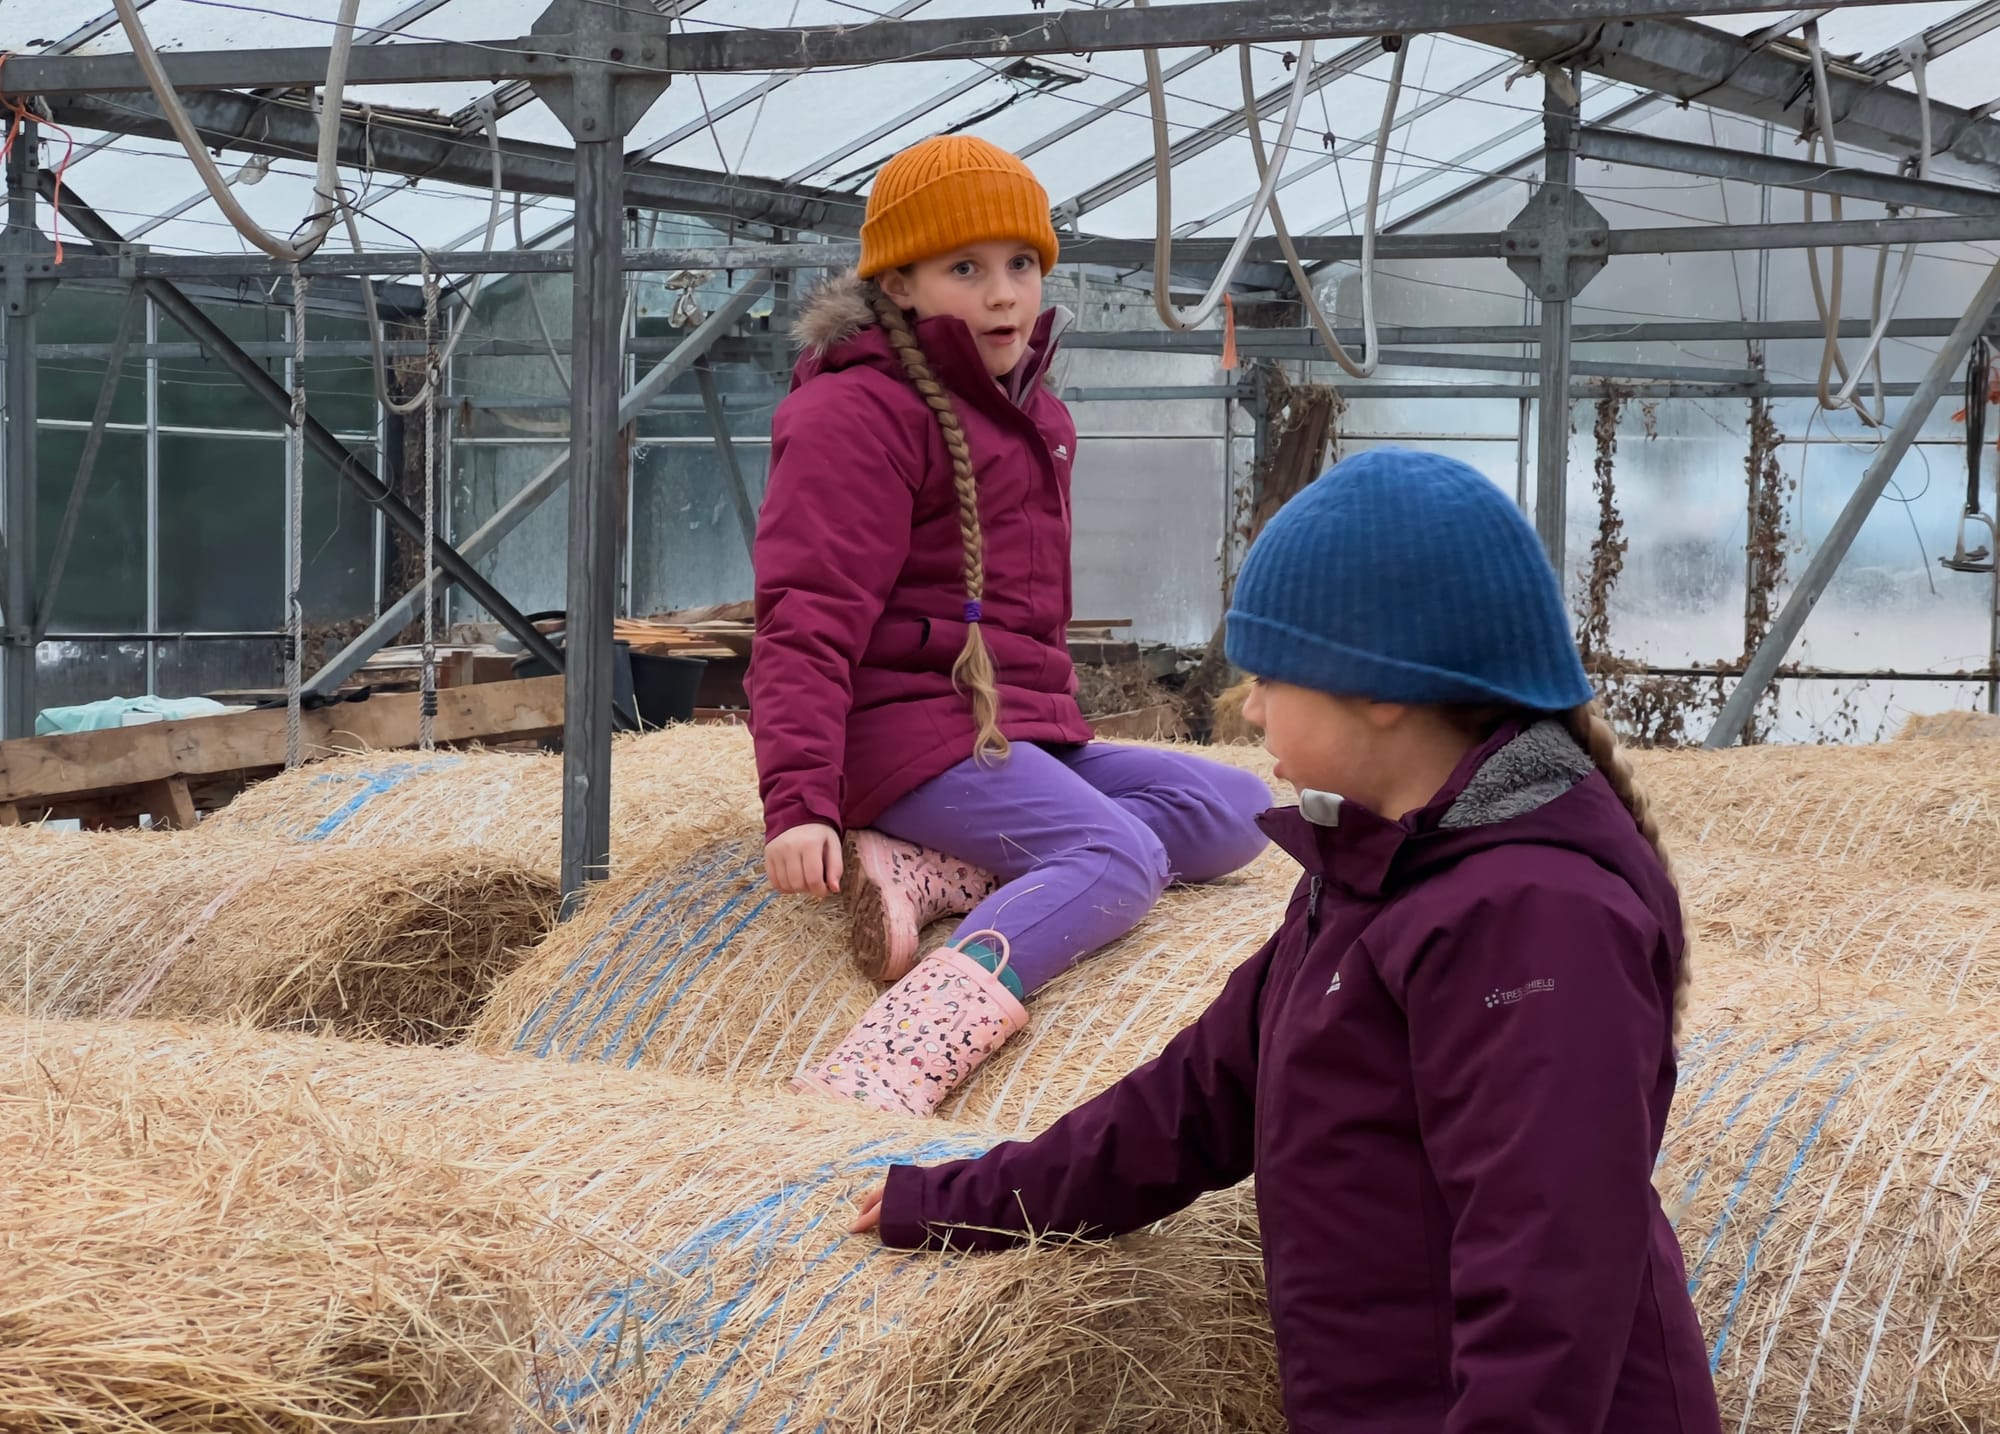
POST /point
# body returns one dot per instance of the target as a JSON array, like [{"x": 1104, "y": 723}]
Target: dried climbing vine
[
  {"x": 1767, "y": 549},
  {"x": 1607, "y": 548}
]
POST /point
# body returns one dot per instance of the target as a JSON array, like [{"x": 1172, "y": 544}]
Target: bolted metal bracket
[
  {"x": 623, "y": 41},
  {"x": 1557, "y": 244}
]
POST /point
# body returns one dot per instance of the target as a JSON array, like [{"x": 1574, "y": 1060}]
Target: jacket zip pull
[{"x": 1312, "y": 910}]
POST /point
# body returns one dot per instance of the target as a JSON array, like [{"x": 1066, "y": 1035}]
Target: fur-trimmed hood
[{"x": 836, "y": 328}]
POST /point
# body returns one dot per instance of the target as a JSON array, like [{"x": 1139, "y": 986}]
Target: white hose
[
  {"x": 1827, "y": 296},
  {"x": 1884, "y": 313},
  {"x": 1371, "y": 357},
  {"x": 326, "y": 183},
  {"x": 1163, "y": 243}
]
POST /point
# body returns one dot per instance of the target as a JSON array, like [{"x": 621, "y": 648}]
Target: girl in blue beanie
[{"x": 1450, "y": 1069}]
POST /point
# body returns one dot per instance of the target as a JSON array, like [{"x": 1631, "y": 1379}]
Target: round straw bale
[
  {"x": 399, "y": 944},
  {"x": 1901, "y": 940},
  {"x": 1828, "y": 1169},
  {"x": 1231, "y": 727},
  {"x": 682, "y": 1247},
  {"x": 512, "y": 801},
  {"x": 694, "y": 966},
  {"x": 1950, "y": 727},
  {"x": 504, "y": 801},
  {"x": 213, "y": 1256},
  {"x": 1928, "y": 810}
]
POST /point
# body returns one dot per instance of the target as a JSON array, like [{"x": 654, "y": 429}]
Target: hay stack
[
  {"x": 1829, "y": 1166},
  {"x": 663, "y": 785},
  {"x": 679, "y": 1252},
  {"x": 1229, "y": 726},
  {"x": 507, "y": 802},
  {"x": 1950, "y": 727},
  {"x": 400, "y": 944},
  {"x": 697, "y": 968},
  {"x": 1925, "y": 810},
  {"x": 1899, "y": 940}
]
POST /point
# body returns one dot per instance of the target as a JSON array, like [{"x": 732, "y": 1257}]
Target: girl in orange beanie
[{"x": 919, "y": 745}]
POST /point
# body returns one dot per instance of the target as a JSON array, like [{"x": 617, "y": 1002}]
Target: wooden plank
[
  {"x": 1148, "y": 724},
  {"x": 172, "y": 805},
  {"x": 10, "y": 815},
  {"x": 81, "y": 764}
]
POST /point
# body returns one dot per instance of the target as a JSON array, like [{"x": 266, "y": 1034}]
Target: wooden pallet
[{"x": 173, "y": 771}]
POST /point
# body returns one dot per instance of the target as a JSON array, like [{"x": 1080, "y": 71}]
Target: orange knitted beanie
[{"x": 948, "y": 192}]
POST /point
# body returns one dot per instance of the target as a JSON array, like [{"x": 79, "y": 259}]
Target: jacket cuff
[
  {"x": 904, "y": 1226},
  {"x": 782, "y": 815}
]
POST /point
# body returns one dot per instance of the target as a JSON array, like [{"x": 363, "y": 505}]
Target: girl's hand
[
  {"x": 870, "y": 1216},
  {"x": 805, "y": 861}
]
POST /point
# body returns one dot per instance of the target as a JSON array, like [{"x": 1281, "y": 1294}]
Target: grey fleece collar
[{"x": 1527, "y": 774}]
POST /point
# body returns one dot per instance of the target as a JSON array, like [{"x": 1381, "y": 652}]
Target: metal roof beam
[
  {"x": 241, "y": 122},
  {"x": 1618, "y": 147},
  {"x": 655, "y": 51},
  {"x": 1696, "y": 63},
  {"x": 1940, "y": 39}
]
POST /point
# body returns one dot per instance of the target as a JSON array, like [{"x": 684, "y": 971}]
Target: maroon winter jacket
[
  {"x": 860, "y": 567},
  {"x": 1450, "y": 1072}
]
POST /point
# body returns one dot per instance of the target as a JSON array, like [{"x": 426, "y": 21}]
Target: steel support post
[
  {"x": 539, "y": 489},
  {"x": 1764, "y": 663},
  {"x": 1547, "y": 247},
  {"x": 595, "y": 499},
  {"x": 17, "y": 464},
  {"x": 598, "y": 111}
]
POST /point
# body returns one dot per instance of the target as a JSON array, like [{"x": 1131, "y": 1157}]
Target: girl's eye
[
  {"x": 962, "y": 269},
  {"x": 1021, "y": 262}
]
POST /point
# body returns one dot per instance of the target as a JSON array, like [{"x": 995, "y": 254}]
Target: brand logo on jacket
[
  {"x": 1519, "y": 994},
  {"x": 1062, "y": 451},
  {"x": 1334, "y": 989}
]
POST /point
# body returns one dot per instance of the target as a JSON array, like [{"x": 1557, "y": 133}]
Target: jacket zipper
[{"x": 1312, "y": 912}]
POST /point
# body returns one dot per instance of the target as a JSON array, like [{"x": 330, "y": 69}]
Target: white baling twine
[
  {"x": 433, "y": 387},
  {"x": 295, "y": 504}
]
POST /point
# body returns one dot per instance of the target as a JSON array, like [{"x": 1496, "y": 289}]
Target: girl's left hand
[{"x": 870, "y": 1217}]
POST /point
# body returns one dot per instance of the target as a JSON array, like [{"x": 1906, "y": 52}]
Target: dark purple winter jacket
[{"x": 1450, "y": 1072}]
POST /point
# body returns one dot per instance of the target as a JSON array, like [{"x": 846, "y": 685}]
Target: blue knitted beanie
[{"x": 1402, "y": 576}]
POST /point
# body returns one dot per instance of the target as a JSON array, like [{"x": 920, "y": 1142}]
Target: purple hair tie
[{"x": 972, "y": 612}]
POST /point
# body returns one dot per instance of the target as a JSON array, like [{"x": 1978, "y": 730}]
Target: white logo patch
[
  {"x": 1062, "y": 451},
  {"x": 1335, "y": 987},
  {"x": 1518, "y": 994}
]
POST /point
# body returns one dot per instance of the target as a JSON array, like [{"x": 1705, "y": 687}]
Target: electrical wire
[
  {"x": 316, "y": 227},
  {"x": 1371, "y": 353}
]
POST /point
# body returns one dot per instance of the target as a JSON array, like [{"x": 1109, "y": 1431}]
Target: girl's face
[
  {"x": 1388, "y": 757},
  {"x": 995, "y": 288}
]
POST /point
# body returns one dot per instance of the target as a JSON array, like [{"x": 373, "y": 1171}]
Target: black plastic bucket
[
  {"x": 664, "y": 687},
  {"x": 529, "y": 665}
]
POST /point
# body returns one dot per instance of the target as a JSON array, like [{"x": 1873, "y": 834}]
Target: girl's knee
[{"x": 1136, "y": 860}]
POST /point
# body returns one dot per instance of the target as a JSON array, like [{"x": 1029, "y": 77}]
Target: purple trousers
[{"x": 1084, "y": 840}]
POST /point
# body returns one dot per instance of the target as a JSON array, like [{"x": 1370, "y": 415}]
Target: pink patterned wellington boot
[
  {"x": 924, "y": 1035},
  {"x": 894, "y": 890}
]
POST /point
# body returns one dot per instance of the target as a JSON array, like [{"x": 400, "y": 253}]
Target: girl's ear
[{"x": 895, "y": 283}]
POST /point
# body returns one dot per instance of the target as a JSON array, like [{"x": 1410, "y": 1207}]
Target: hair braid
[
  {"x": 1597, "y": 738},
  {"x": 973, "y": 672}
]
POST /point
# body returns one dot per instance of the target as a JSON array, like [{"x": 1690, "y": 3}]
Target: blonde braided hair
[
  {"x": 1587, "y": 726},
  {"x": 973, "y": 672}
]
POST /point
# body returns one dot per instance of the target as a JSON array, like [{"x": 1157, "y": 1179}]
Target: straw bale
[
  {"x": 1899, "y": 939},
  {"x": 400, "y": 944},
  {"x": 1950, "y": 727},
  {"x": 1925, "y": 810},
  {"x": 1828, "y": 1163},
  {"x": 680, "y": 1247},
  {"x": 504, "y": 801},
  {"x": 1230, "y": 726},
  {"x": 695, "y": 967},
  {"x": 662, "y": 784}
]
